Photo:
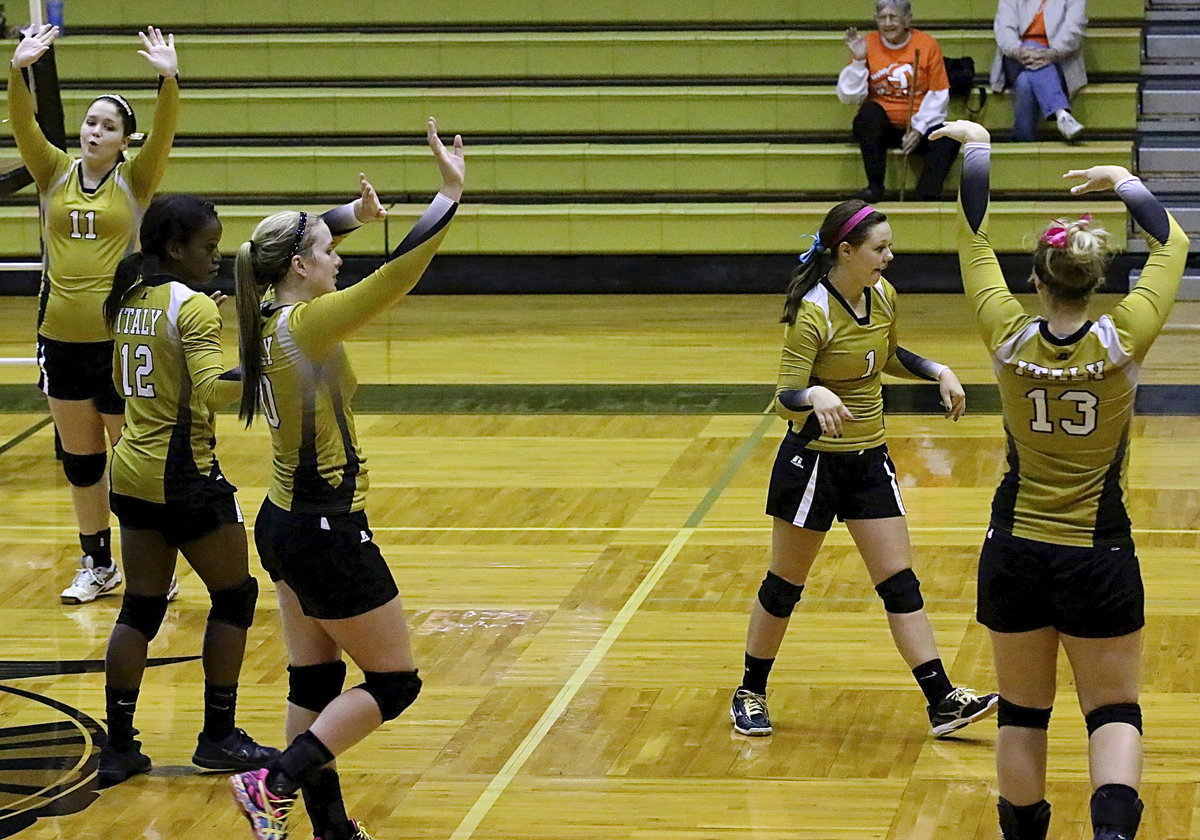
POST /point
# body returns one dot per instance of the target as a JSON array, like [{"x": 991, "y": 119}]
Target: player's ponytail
[
  {"x": 260, "y": 264},
  {"x": 127, "y": 275},
  {"x": 851, "y": 221},
  {"x": 1071, "y": 258}
]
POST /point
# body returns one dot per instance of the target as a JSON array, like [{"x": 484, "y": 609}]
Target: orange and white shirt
[{"x": 886, "y": 77}]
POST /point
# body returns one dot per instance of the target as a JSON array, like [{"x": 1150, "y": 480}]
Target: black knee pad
[
  {"x": 313, "y": 687},
  {"x": 778, "y": 596},
  {"x": 235, "y": 605},
  {"x": 901, "y": 593},
  {"x": 1026, "y": 717},
  {"x": 394, "y": 691},
  {"x": 84, "y": 470},
  {"x": 1130, "y": 713},
  {"x": 144, "y": 613},
  {"x": 1025, "y": 823}
]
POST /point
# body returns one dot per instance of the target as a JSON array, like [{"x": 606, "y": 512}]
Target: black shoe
[
  {"x": 871, "y": 194},
  {"x": 958, "y": 708},
  {"x": 116, "y": 766},
  {"x": 237, "y": 751}
]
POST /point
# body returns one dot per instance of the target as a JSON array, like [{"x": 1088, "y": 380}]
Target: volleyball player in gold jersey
[
  {"x": 1058, "y": 566},
  {"x": 839, "y": 338},
  {"x": 335, "y": 590},
  {"x": 91, "y": 208}
]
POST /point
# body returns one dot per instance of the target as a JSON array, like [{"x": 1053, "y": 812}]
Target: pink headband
[
  {"x": 851, "y": 224},
  {"x": 1056, "y": 235}
]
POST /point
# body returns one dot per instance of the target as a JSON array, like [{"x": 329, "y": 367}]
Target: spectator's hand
[
  {"x": 219, "y": 297},
  {"x": 912, "y": 139},
  {"x": 1098, "y": 178},
  {"x": 964, "y": 131},
  {"x": 34, "y": 46},
  {"x": 954, "y": 398},
  {"x": 367, "y": 207},
  {"x": 829, "y": 409},
  {"x": 451, "y": 163},
  {"x": 1039, "y": 59},
  {"x": 857, "y": 44},
  {"x": 160, "y": 52}
]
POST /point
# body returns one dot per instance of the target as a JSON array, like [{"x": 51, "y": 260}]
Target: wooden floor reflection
[{"x": 578, "y": 588}]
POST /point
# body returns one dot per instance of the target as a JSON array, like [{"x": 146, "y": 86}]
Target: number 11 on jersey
[{"x": 89, "y": 224}]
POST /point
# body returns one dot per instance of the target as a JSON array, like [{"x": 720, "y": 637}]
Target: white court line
[
  {"x": 567, "y": 693},
  {"x": 634, "y": 529}
]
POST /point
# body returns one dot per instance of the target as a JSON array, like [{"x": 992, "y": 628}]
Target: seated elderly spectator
[
  {"x": 895, "y": 111},
  {"x": 1040, "y": 57}
]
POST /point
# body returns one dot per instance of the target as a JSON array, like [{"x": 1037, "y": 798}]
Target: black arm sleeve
[
  {"x": 1145, "y": 208},
  {"x": 977, "y": 161}
]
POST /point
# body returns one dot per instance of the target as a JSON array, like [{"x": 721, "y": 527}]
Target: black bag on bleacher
[{"x": 961, "y": 73}]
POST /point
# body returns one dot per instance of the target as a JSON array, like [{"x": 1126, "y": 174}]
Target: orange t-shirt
[
  {"x": 1037, "y": 28},
  {"x": 891, "y": 72}
]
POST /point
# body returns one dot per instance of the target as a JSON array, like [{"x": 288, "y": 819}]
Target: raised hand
[
  {"x": 367, "y": 207},
  {"x": 954, "y": 398},
  {"x": 1098, "y": 178},
  {"x": 160, "y": 52},
  {"x": 964, "y": 131},
  {"x": 34, "y": 46},
  {"x": 451, "y": 163},
  {"x": 857, "y": 44}
]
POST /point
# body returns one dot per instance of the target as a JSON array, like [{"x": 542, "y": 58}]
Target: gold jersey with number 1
[
  {"x": 832, "y": 345},
  {"x": 86, "y": 232},
  {"x": 1068, "y": 400}
]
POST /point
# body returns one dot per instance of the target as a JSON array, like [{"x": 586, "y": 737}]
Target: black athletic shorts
[
  {"x": 180, "y": 521},
  {"x": 809, "y": 488},
  {"x": 79, "y": 371},
  {"x": 1093, "y": 593},
  {"x": 330, "y": 562}
]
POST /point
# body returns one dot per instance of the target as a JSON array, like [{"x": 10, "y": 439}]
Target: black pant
[{"x": 876, "y": 134}]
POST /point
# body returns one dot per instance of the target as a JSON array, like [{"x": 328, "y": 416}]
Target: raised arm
[
  {"x": 852, "y": 81},
  {"x": 330, "y": 318},
  {"x": 1141, "y": 314},
  {"x": 148, "y": 166},
  {"x": 41, "y": 157},
  {"x": 997, "y": 311}
]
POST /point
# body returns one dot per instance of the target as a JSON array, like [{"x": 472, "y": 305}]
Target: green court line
[
  {"x": 668, "y": 398},
  {"x": 32, "y": 430},
  {"x": 735, "y": 463}
]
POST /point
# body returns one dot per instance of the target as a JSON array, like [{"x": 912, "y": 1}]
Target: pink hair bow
[{"x": 1056, "y": 235}]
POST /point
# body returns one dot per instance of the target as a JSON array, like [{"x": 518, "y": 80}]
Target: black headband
[
  {"x": 299, "y": 234},
  {"x": 125, "y": 108}
]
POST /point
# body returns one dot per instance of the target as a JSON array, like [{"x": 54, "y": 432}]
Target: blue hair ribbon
[{"x": 817, "y": 248}]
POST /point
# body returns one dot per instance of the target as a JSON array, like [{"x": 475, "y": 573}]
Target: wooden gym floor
[{"x": 577, "y": 563}]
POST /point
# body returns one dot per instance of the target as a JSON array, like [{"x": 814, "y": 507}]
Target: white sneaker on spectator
[
  {"x": 1068, "y": 126},
  {"x": 91, "y": 581}
]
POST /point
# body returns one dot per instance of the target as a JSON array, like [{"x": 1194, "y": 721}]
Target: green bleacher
[
  {"x": 642, "y": 228},
  {"x": 575, "y": 110},
  {"x": 598, "y": 126},
  {"x": 774, "y": 55},
  {"x": 532, "y": 13}
]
